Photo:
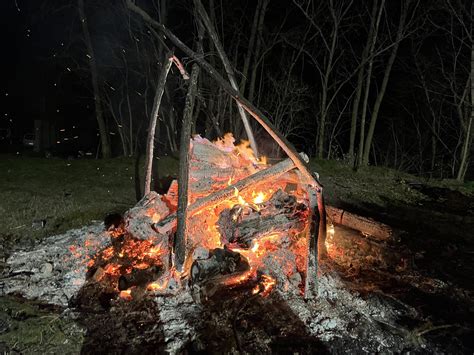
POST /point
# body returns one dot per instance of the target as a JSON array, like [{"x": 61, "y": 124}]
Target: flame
[
  {"x": 329, "y": 237},
  {"x": 268, "y": 283},
  {"x": 157, "y": 286},
  {"x": 265, "y": 286},
  {"x": 258, "y": 197},
  {"x": 126, "y": 295}
]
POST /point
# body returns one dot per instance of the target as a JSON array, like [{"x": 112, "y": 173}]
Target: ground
[{"x": 41, "y": 197}]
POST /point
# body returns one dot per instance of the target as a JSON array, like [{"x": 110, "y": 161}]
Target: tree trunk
[
  {"x": 355, "y": 112},
  {"x": 258, "y": 49},
  {"x": 104, "y": 138},
  {"x": 154, "y": 116},
  {"x": 373, "y": 38},
  {"x": 468, "y": 128},
  {"x": 325, "y": 86},
  {"x": 250, "y": 48},
  {"x": 211, "y": 121},
  {"x": 360, "y": 84},
  {"x": 380, "y": 96}
]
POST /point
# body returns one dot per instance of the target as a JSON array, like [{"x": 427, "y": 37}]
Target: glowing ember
[
  {"x": 157, "y": 286},
  {"x": 329, "y": 237},
  {"x": 126, "y": 295},
  {"x": 278, "y": 244},
  {"x": 265, "y": 286},
  {"x": 259, "y": 197}
]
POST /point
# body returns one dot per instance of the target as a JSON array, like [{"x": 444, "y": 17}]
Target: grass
[
  {"x": 65, "y": 193},
  {"x": 72, "y": 193},
  {"x": 32, "y": 330},
  {"x": 375, "y": 185}
]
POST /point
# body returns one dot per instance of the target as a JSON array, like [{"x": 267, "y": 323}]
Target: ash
[{"x": 339, "y": 316}]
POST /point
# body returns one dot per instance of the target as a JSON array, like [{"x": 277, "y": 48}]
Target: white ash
[{"x": 52, "y": 272}]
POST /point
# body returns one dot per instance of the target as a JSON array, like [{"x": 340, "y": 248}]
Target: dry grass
[{"x": 65, "y": 193}]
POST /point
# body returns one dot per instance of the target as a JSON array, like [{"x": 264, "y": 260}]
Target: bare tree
[
  {"x": 104, "y": 138},
  {"x": 400, "y": 34},
  {"x": 326, "y": 64}
]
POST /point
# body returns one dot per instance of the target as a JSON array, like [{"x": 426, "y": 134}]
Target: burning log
[
  {"x": 263, "y": 176},
  {"x": 278, "y": 215}
]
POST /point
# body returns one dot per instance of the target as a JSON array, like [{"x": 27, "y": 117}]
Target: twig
[
  {"x": 180, "y": 67},
  {"x": 438, "y": 327}
]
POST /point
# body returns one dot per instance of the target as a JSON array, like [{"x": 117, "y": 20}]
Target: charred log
[
  {"x": 139, "y": 277},
  {"x": 263, "y": 176},
  {"x": 377, "y": 230},
  {"x": 221, "y": 262},
  {"x": 278, "y": 215}
]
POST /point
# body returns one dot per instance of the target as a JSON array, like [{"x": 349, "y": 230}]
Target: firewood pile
[
  {"x": 248, "y": 225},
  {"x": 249, "y": 275}
]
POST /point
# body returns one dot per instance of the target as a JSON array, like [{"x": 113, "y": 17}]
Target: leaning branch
[
  {"x": 246, "y": 104},
  {"x": 154, "y": 115},
  {"x": 183, "y": 176}
]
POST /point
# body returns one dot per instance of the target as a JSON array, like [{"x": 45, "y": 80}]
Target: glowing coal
[{"x": 255, "y": 238}]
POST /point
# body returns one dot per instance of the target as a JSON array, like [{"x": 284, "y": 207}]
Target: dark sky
[{"x": 34, "y": 85}]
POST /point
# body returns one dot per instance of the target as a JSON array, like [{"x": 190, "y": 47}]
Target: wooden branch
[
  {"x": 311, "y": 262},
  {"x": 154, "y": 116},
  {"x": 322, "y": 227},
  {"x": 228, "y": 68},
  {"x": 262, "y": 176},
  {"x": 378, "y": 231},
  {"x": 139, "y": 277},
  {"x": 183, "y": 174},
  {"x": 247, "y": 105}
]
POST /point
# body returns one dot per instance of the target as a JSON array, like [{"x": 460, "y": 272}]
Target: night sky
[{"x": 36, "y": 83}]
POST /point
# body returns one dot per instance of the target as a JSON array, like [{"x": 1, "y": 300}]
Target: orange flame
[{"x": 126, "y": 295}]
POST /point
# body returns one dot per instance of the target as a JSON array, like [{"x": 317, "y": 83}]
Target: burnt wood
[
  {"x": 260, "y": 177},
  {"x": 221, "y": 262},
  {"x": 139, "y": 277},
  {"x": 376, "y": 230},
  {"x": 183, "y": 175}
]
